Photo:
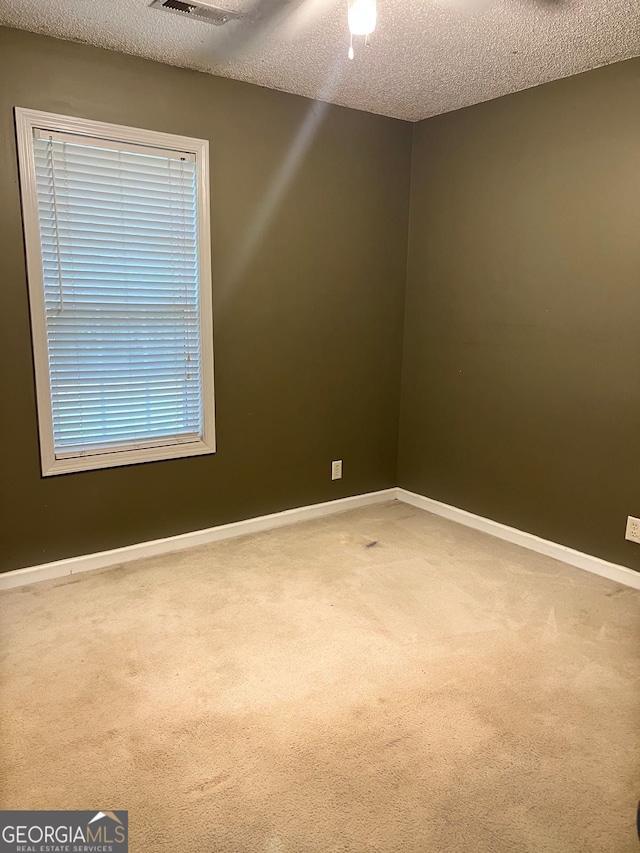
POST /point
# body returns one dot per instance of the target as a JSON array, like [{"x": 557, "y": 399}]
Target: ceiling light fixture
[{"x": 362, "y": 16}]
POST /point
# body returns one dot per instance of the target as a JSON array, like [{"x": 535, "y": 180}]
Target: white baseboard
[
  {"x": 117, "y": 556},
  {"x": 595, "y": 565}
]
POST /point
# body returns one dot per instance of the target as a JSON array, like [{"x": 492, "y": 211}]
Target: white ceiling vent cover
[{"x": 201, "y": 11}]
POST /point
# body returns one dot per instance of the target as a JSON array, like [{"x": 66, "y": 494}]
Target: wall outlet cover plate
[{"x": 633, "y": 529}]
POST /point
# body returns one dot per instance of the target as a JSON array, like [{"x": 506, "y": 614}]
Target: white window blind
[{"x": 121, "y": 295}]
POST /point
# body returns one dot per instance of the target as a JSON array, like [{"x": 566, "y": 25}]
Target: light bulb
[{"x": 362, "y": 17}]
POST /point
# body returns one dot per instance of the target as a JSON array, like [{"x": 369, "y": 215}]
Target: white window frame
[{"x": 27, "y": 121}]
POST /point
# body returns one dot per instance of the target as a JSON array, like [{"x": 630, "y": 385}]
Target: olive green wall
[
  {"x": 308, "y": 331},
  {"x": 521, "y": 376},
  {"x": 521, "y": 365}
]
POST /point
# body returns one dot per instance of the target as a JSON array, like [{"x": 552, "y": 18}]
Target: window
[{"x": 116, "y": 225}]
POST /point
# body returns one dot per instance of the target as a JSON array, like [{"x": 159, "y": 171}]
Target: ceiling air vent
[{"x": 201, "y": 11}]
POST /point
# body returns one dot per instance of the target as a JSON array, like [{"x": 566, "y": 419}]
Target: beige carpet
[{"x": 306, "y": 691}]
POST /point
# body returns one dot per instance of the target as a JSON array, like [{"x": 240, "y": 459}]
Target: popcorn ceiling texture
[{"x": 426, "y": 57}]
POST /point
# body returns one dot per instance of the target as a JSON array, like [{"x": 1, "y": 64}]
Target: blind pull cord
[{"x": 55, "y": 220}]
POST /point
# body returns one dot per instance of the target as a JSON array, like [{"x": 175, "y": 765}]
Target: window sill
[{"x": 92, "y": 462}]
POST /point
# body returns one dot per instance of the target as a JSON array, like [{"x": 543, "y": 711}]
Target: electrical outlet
[
  {"x": 633, "y": 529},
  {"x": 336, "y": 473}
]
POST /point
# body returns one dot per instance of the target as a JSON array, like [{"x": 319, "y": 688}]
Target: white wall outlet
[
  {"x": 633, "y": 529},
  {"x": 336, "y": 473}
]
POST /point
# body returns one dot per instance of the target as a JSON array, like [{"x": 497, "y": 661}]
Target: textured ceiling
[{"x": 426, "y": 56}]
